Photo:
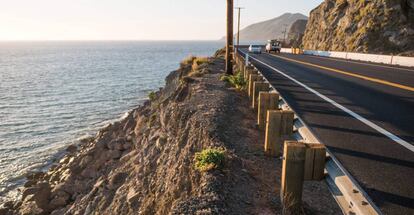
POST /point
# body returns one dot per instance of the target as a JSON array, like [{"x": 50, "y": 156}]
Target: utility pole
[
  {"x": 238, "y": 26},
  {"x": 284, "y": 34},
  {"x": 229, "y": 42}
]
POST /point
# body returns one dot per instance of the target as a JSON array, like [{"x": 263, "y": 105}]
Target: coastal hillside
[
  {"x": 379, "y": 26},
  {"x": 188, "y": 150},
  {"x": 270, "y": 29}
]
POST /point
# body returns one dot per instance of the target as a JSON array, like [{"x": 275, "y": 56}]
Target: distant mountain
[{"x": 270, "y": 29}]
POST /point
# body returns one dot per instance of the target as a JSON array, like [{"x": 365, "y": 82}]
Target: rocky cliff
[
  {"x": 296, "y": 32},
  {"x": 376, "y": 26}
]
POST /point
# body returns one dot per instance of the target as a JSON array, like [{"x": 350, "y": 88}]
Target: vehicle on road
[
  {"x": 255, "y": 49},
  {"x": 273, "y": 46}
]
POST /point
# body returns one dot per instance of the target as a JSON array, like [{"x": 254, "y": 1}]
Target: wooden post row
[{"x": 258, "y": 86}]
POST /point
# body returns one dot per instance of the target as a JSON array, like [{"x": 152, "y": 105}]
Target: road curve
[{"x": 366, "y": 122}]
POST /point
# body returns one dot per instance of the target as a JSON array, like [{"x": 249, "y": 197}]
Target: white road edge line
[{"x": 353, "y": 114}]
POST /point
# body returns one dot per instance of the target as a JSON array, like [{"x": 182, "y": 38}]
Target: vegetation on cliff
[
  {"x": 210, "y": 159},
  {"x": 377, "y": 26}
]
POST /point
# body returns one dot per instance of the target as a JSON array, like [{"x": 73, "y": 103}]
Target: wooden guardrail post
[
  {"x": 273, "y": 133},
  {"x": 249, "y": 71},
  {"x": 267, "y": 101},
  {"x": 279, "y": 125},
  {"x": 252, "y": 79},
  {"x": 246, "y": 70},
  {"x": 287, "y": 123},
  {"x": 314, "y": 162},
  {"x": 292, "y": 176},
  {"x": 258, "y": 86},
  {"x": 241, "y": 64}
]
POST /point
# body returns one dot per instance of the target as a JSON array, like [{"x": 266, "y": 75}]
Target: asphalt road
[{"x": 362, "y": 112}]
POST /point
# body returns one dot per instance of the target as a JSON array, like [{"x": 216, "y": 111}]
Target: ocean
[{"x": 52, "y": 94}]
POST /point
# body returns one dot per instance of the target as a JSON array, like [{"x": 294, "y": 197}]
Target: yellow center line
[{"x": 380, "y": 81}]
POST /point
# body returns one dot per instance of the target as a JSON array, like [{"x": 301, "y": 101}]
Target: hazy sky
[{"x": 132, "y": 19}]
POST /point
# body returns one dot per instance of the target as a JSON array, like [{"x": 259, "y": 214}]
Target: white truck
[{"x": 273, "y": 46}]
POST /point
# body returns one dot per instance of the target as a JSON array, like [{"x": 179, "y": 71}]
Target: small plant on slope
[
  {"x": 236, "y": 80},
  {"x": 152, "y": 96},
  {"x": 209, "y": 159}
]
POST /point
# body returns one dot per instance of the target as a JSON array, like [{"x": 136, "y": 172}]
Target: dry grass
[
  {"x": 197, "y": 62},
  {"x": 187, "y": 61}
]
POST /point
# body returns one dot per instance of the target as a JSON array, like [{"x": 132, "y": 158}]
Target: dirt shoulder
[{"x": 144, "y": 164}]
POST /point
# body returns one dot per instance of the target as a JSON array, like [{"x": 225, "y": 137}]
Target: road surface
[{"x": 363, "y": 113}]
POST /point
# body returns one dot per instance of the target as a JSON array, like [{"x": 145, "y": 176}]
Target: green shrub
[
  {"x": 236, "y": 80},
  {"x": 152, "y": 96},
  {"x": 208, "y": 159}
]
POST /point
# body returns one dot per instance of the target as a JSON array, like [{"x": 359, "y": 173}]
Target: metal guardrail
[{"x": 349, "y": 195}]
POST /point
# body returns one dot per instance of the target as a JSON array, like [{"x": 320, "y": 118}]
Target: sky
[{"x": 133, "y": 19}]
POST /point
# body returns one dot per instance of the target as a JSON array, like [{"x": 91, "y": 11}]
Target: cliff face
[
  {"x": 377, "y": 26},
  {"x": 296, "y": 32}
]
